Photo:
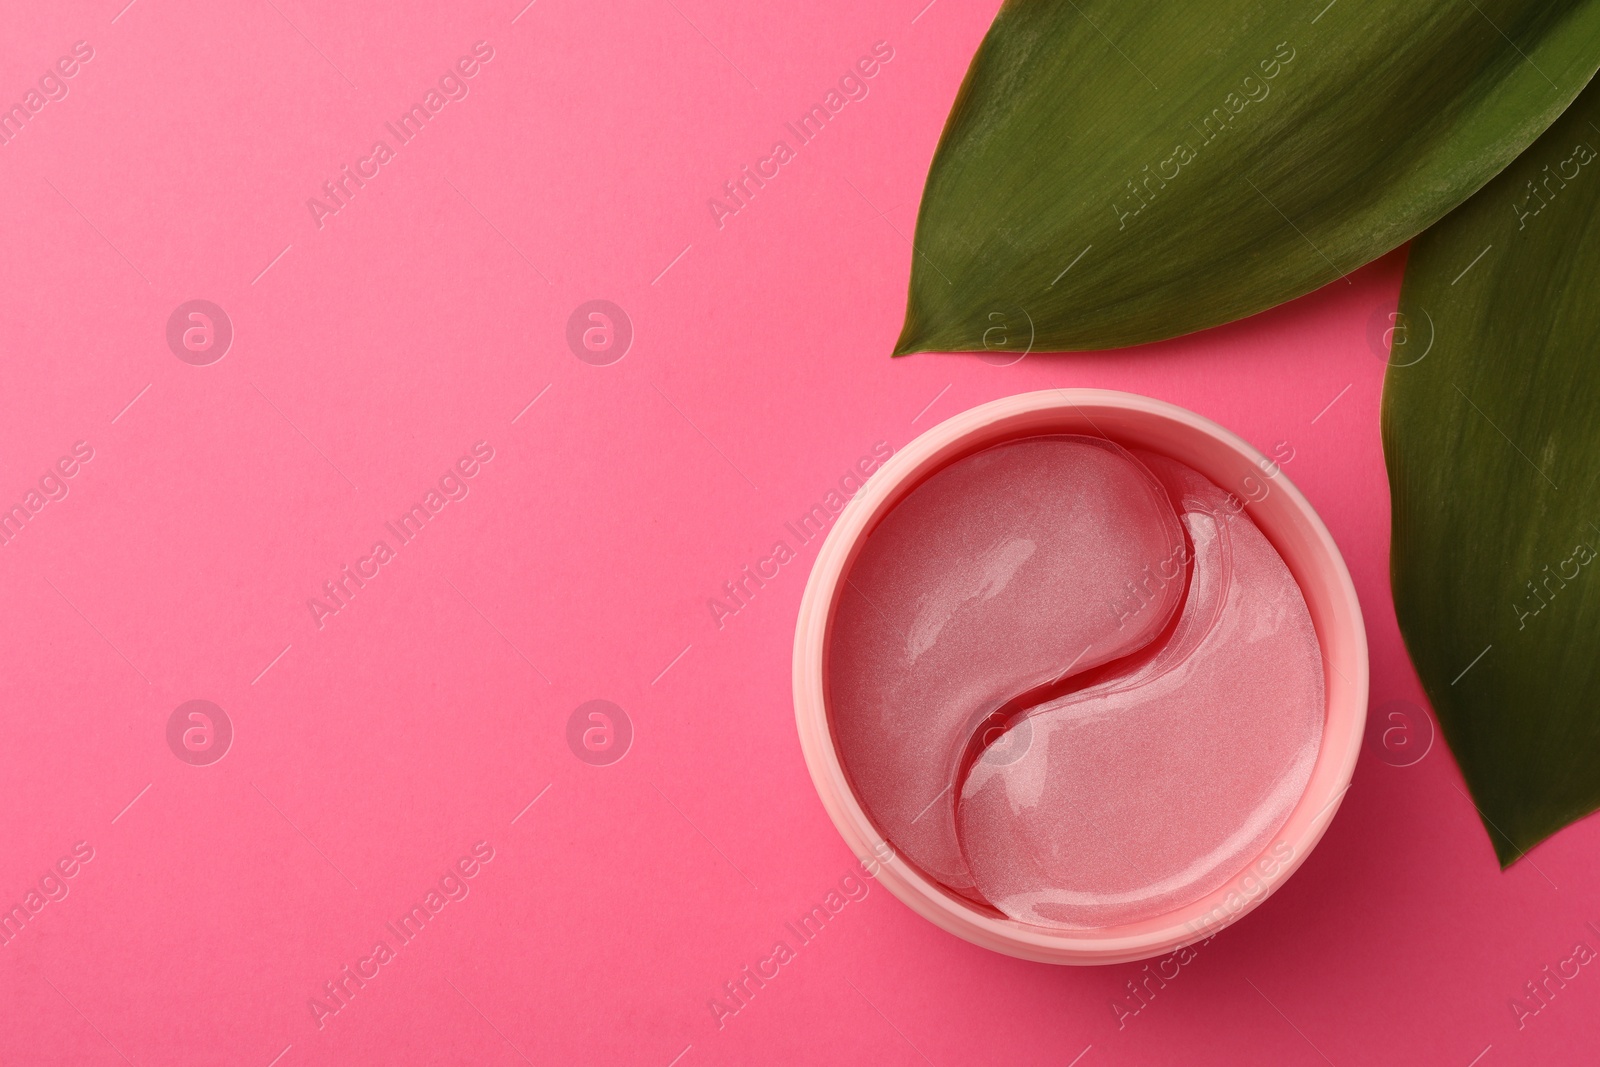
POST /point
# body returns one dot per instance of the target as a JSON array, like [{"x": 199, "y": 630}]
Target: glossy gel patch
[
  {"x": 1151, "y": 788},
  {"x": 1013, "y": 569}
]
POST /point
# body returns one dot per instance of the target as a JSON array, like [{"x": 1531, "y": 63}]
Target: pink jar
[{"x": 1278, "y": 510}]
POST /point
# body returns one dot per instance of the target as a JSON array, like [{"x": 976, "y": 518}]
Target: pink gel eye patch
[{"x": 1007, "y": 571}]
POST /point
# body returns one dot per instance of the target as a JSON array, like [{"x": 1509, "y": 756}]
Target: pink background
[{"x": 373, "y": 752}]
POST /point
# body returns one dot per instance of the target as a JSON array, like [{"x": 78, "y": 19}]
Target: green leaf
[
  {"x": 1116, "y": 172},
  {"x": 1491, "y": 431}
]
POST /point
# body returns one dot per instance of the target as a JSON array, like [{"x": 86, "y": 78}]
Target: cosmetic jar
[{"x": 1275, "y": 506}]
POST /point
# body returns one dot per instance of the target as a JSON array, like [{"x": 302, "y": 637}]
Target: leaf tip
[{"x": 908, "y": 342}]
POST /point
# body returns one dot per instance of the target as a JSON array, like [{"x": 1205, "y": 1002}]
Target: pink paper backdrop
[{"x": 375, "y": 747}]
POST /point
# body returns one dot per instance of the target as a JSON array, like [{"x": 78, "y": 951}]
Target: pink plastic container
[{"x": 1275, "y": 506}]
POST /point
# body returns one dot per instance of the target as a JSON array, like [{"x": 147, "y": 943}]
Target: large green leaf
[
  {"x": 1114, "y": 172},
  {"x": 1491, "y": 430}
]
